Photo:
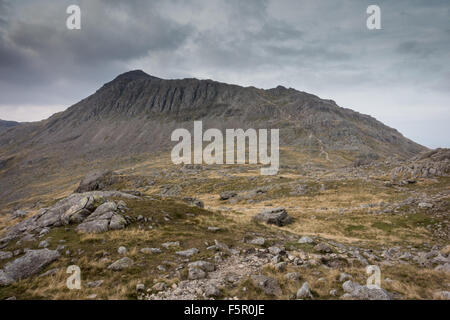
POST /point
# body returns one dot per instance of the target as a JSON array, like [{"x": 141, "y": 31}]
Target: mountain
[
  {"x": 4, "y": 125},
  {"x": 135, "y": 114}
]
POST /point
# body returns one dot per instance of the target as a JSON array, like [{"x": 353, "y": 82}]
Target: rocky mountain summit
[{"x": 135, "y": 114}]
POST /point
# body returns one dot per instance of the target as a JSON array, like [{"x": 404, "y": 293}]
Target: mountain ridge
[{"x": 135, "y": 113}]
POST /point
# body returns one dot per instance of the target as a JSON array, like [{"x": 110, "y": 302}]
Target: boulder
[
  {"x": 212, "y": 291},
  {"x": 121, "y": 264},
  {"x": 122, "y": 250},
  {"x": 196, "y": 273},
  {"x": 357, "y": 291},
  {"x": 97, "y": 180},
  {"x": 150, "y": 250},
  {"x": 304, "y": 292},
  {"x": 292, "y": 276},
  {"x": 305, "y": 239},
  {"x": 188, "y": 253},
  {"x": 277, "y": 216},
  {"x": 227, "y": 195},
  {"x": 31, "y": 263}
]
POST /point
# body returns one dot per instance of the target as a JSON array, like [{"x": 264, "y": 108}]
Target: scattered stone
[
  {"x": 333, "y": 292},
  {"x": 258, "y": 241},
  {"x": 281, "y": 266},
  {"x": 194, "y": 202},
  {"x": 227, "y": 195},
  {"x": 150, "y": 250},
  {"x": 304, "y": 292},
  {"x": 275, "y": 250},
  {"x": 122, "y": 250},
  {"x": 305, "y": 239},
  {"x": 19, "y": 214},
  {"x": 160, "y": 286},
  {"x": 442, "y": 295},
  {"x": 196, "y": 273},
  {"x": 323, "y": 248},
  {"x": 344, "y": 277},
  {"x": 292, "y": 276},
  {"x": 168, "y": 245},
  {"x": 188, "y": 253},
  {"x": 425, "y": 205},
  {"x": 94, "y": 284},
  {"x": 140, "y": 287},
  {"x": 44, "y": 244},
  {"x": 360, "y": 292},
  {"x": 121, "y": 264},
  {"x": 204, "y": 265},
  {"x": 212, "y": 291}
]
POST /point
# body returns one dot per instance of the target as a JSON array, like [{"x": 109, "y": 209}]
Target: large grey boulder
[
  {"x": 304, "y": 292},
  {"x": 360, "y": 292},
  {"x": 277, "y": 216},
  {"x": 97, "y": 180},
  {"x": 32, "y": 262}
]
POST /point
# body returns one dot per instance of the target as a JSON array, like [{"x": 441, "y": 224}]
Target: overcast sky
[{"x": 399, "y": 74}]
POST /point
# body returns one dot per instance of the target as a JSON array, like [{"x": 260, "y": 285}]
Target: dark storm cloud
[{"x": 399, "y": 74}]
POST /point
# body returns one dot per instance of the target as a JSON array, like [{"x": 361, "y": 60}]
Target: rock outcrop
[
  {"x": 434, "y": 163},
  {"x": 91, "y": 210}
]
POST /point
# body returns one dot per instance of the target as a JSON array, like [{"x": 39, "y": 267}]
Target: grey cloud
[{"x": 319, "y": 46}]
